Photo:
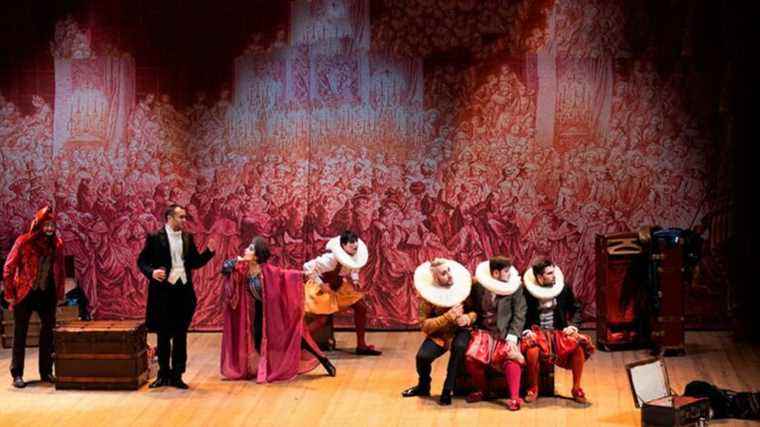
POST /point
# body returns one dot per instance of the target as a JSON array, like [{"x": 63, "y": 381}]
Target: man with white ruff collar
[
  {"x": 498, "y": 300},
  {"x": 551, "y": 335},
  {"x": 333, "y": 285},
  {"x": 443, "y": 285}
]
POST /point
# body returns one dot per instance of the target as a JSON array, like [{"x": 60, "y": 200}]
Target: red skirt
[
  {"x": 491, "y": 351},
  {"x": 555, "y": 347}
]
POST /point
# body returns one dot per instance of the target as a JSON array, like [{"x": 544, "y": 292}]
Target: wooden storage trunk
[
  {"x": 64, "y": 313},
  {"x": 668, "y": 332},
  {"x": 101, "y": 354}
]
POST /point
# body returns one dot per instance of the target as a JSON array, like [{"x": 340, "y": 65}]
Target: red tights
[
  {"x": 576, "y": 365},
  {"x": 512, "y": 372}
]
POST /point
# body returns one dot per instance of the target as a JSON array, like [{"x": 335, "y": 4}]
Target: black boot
[
  {"x": 417, "y": 390},
  {"x": 445, "y": 399},
  {"x": 48, "y": 378},
  {"x": 331, "y": 371}
]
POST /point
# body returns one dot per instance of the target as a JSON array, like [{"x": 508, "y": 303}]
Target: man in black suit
[{"x": 167, "y": 260}]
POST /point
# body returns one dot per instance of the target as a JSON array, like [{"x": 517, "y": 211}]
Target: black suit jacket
[
  {"x": 567, "y": 312},
  {"x": 170, "y": 308}
]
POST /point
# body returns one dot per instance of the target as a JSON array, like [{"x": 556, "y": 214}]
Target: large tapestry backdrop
[{"x": 461, "y": 129}]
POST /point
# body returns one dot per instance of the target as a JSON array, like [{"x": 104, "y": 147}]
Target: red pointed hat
[{"x": 42, "y": 216}]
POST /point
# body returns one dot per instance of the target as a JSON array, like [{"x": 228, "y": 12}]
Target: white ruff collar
[
  {"x": 355, "y": 261},
  {"x": 483, "y": 274},
  {"x": 441, "y": 296},
  {"x": 543, "y": 292}
]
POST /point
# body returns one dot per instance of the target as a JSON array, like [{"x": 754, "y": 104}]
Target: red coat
[{"x": 22, "y": 264}]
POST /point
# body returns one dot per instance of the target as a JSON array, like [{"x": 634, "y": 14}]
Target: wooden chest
[
  {"x": 101, "y": 354},
  {"x": 63, "y": 314}
]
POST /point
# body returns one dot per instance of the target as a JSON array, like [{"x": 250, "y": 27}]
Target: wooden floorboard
[{"x": 366, "y": 391}]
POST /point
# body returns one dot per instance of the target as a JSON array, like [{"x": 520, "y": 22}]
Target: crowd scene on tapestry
[{"x": 457, "y": 129}]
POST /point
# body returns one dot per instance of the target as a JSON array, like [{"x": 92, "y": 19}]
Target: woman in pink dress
[{"x": 264, "y": 335}]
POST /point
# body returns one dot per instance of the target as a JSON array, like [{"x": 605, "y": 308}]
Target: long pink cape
[{"x": 281, "y": 355}]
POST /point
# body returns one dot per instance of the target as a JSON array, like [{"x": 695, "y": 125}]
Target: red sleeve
[
  {"x": 60, "y": 271},
  {"x": 9, "y": 270}
]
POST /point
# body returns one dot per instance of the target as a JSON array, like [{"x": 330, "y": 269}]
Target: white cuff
[
  {"x": 512, "y": 338},
  {"x": 571, "y": 330}
]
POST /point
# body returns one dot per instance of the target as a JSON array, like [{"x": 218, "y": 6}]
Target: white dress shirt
[{"x": 178, "y": 265}]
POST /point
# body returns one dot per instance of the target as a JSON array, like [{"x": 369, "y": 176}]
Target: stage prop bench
[{"x": 497, "y": 384}]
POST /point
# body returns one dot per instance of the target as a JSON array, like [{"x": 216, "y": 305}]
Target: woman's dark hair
[
  {"x": 348, "y": 236},
  {"x": 261, "y": 249}
]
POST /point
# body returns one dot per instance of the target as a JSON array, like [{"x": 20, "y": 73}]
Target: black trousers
[
  {"x": 171, "y": 336},
  {"x": 172, "y": 345},
  {"x": 43, "y": 302},
  {"x": 429, "y": 351}
]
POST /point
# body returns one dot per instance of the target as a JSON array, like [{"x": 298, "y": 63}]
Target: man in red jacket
[{"x": 34, "y": 281}]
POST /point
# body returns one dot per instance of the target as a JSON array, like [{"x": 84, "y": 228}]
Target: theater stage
[{"x": 365, "y": 392}]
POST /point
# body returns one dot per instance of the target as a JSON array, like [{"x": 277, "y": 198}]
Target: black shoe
[
  {"x": 416, "y": 391},
  {"x": 368, "y": 351},
  {"x": 331, "y": 371},
  {"x": 48, "y": 378},
  {"x": 178, "y": 383},
  {"x": 18, "y": 382},
  {"x": 445, "y": 399},
  {"x": 160, "y": 382}
]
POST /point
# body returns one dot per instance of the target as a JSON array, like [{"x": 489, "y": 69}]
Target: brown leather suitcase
[
  {"x": 675, "y": 411},
  {"x": 63, "y": 314},
  {"x": 101, "y": 354},
  {"x": 650, "y": 387}
]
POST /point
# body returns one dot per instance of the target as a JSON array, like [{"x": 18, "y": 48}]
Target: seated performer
[
  {"x": 264, "y": 335},
  {"x": 444, "y": 285},
  {"x": 499, "y": 303},
  {"x": 552, "y": 328},
  {"x": 332, "y": 286}
]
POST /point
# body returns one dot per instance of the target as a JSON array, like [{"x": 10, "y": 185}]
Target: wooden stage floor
[{"x": 365, "y": 392}]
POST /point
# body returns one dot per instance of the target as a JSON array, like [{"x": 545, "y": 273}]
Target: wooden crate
[
  {"x": 101, "y": 354},
  {"x": 63, "y": 314}
]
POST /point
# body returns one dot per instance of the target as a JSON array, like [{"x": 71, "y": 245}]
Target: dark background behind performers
[{"x": 454, "y": 128}]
